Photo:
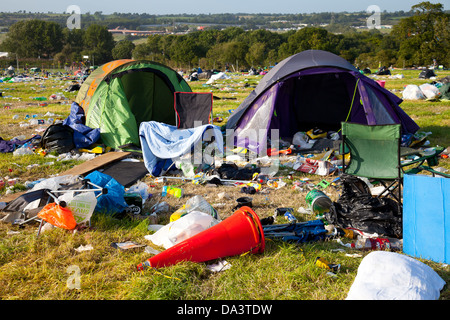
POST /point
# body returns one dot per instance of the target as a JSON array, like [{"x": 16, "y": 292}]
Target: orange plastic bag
[{"x": 58, "y": 216}]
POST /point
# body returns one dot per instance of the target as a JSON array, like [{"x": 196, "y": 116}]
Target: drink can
[
  {"x": 323, "y": 263},
  {"x": 134, "y": 201},
  {"x": 290, "y": 217},
  {"x": 318, "y": 201}
]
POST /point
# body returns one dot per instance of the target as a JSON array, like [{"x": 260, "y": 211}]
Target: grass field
[{"x": 39, "y": 268}]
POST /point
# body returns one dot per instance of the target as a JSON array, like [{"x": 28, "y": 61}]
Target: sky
[{"x": 160, "y": 7}]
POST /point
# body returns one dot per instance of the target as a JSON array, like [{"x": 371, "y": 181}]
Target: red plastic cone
[{"x": 242, "y": 232}]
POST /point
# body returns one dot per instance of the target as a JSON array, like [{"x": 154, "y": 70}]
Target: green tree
[
  {"x": 123, "y": 50},
  {"x": 424, "y": 36},
  {"x": 34, "y": 38},
  {"x": 185, "y": 51},
  {"x": 98, "y": 43},
  {"x": 306, "y": 39},
  {"x": 234, "y": 54},
  {"x": 256, "y": 54}
]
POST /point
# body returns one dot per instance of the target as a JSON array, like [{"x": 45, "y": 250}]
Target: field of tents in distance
[{"x": 43, "y": 266}]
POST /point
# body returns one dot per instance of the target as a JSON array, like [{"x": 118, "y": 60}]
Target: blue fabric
[
  {"x": 309, "y": 231},
  {"x": 160, "y": 142},
  {"x": 83, "y": 136},
  {"x": 113, "y": 201}
]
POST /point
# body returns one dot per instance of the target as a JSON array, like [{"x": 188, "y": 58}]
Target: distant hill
[{"x": 246, "y": 21}]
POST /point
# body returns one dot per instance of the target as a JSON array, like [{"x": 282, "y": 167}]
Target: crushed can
[
  {"x": 290, "y": 217},
  {"x": 288, "y": 214},
  {"x": 323, "y": 263},
  {"x": 134, "y": 201}
]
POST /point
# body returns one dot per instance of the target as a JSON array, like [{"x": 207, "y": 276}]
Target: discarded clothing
[
  {"x": 231, "y": 171},
  {"x": 11, "y": 145},
  {"x": 160, "y": 141}
]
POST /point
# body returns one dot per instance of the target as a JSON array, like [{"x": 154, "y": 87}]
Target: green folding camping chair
[{"x": 374, "y": 154}]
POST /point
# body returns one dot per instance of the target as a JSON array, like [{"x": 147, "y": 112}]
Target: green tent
[{"x": 121, "y": 94}]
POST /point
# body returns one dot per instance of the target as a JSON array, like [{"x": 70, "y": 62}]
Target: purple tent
[{"x": 311, "y": 89}]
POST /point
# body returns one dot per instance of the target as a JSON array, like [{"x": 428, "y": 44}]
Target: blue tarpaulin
[{"x": 113, "y": 201}]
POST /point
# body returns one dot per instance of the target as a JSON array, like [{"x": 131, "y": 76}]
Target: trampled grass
[{"x": 45, "y": 267}]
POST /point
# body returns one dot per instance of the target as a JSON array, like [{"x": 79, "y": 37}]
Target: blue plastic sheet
[
  {"x": 113, "y": 201},
  {"x": 426, "y": 217}
]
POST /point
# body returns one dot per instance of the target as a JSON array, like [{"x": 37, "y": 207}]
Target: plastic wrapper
[
  {"x": 58, "y": 216},
  {"x": 182, "y": 229}
]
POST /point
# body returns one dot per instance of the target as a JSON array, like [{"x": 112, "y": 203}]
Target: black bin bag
[{"x": 357, "y": 208}]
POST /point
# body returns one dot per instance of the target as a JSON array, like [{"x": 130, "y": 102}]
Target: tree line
[
  {"x": 418, "y": 39},
  {"x": 144, "y": 21}
]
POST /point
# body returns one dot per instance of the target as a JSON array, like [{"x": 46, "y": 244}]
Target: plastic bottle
[
  {"x": 340, "y": 232},
  {"x": 160, "y": 207},
  {"x": 378, "y": 243},
  {"x": 21, "y": 137},
  {"x": 196, "y": 203},
  {"x": 23, "y": 150}
]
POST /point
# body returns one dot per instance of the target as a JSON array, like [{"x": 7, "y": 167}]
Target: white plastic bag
[
  {"x": 182, "y": 229},
  {"x": 82, "y": 205},
  {"x": 429, "y": 91},
  {"x": 384, "y": 275},
  {"x": 301, "y": 139},
  {"x": 413, "y": 92},
  {"x": 141, "y": 188}
]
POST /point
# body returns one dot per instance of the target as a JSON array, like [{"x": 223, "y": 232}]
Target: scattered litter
[
  {"x": 311, "y": 151},
  {"x": 219, "y": 266},
  {"x": 323, "y": 263},
  {"x": 151, "y": 250},
  {"x": 82, "y": 248},
  {"x": 127, "y": 245}
]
